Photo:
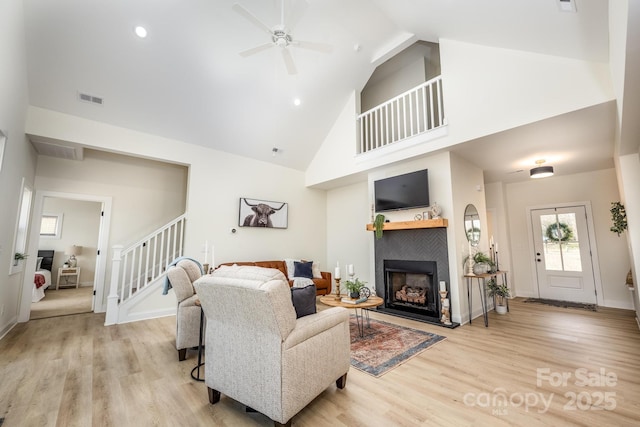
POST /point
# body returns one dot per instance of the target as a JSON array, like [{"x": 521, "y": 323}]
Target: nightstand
[{"x": 66, "y": 273}]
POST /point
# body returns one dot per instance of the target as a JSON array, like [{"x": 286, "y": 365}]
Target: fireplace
[
  {"x": 412, "y": 287},
  {"x": 417, "y": 252}
]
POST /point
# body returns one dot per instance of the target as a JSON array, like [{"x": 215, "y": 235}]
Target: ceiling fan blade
[
  {"x": 251, "y": 18},
  {"x": 291, "y": 19},
  {"x": 288, "y": 61},
  {"x": 255, "y": 50},
  {"x": 318, "y": 47}
]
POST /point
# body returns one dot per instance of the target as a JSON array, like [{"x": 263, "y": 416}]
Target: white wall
[
  {"x": 532, "y": 87},
  {"x": 629, "y": 171},
  {"x": 465, "y": 180},
  {"x": 216, "y": 182},
  {"x": 598, "y": 187},
  {"x": 19, "y": 156},
  {"x": 80, "y": 226}
]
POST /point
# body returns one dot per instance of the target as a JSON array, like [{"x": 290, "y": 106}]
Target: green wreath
[{"x": 559, "y": 232}]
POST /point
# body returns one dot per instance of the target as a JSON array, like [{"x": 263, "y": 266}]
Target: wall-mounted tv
[{"x": 406, "y": 191}]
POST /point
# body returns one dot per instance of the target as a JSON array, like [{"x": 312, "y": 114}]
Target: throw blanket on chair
[
  {"x": 39, "y": 280},
  {"x": 167, "y": 283},
  {"x": 301, "y": 282}
]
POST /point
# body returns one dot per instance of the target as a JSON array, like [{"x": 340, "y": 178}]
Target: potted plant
[
  {"x": 500, "y": 293},
  {"x": 19, "y": 256},
  {"x": 378, "y": 225},
  {"x": 482, "y": 263},
  {"x": 353, "y": 287}
]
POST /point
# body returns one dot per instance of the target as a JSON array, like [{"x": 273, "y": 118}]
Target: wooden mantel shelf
[{"x": 408, "y": 225}]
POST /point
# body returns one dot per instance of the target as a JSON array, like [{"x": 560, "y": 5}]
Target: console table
[{"x": 481, "y": 279}]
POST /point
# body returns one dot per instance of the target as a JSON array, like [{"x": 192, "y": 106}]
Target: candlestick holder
[
  {"x": 205, "y": 268},
  {"x": 445, "y": 310},
  {"x": 337, "y": 297},
  {"x": 470, "y": 267}
]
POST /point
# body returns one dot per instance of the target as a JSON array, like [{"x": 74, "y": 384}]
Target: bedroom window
[{"x": 50, "y": 226}]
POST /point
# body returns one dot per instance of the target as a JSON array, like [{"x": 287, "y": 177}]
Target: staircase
[{"x": 139, "y": 270}]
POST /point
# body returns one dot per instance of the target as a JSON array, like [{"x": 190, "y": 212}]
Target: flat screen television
[{"x": 406, "y": 191}]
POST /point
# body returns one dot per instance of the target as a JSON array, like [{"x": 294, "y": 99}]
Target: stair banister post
[{"x": 111, "y": 317}]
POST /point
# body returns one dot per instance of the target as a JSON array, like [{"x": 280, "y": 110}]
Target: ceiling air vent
[
  {"x": 85, "y": 97},
  {"x": 567, "y": 5}
]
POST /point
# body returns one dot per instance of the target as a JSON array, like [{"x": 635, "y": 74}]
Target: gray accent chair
[
  {"x": 258, "y": 353},
  {"x": 181, "y": 276}
]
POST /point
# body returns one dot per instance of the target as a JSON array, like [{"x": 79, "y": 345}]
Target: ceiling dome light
[
  {"x": 140, "y": 32},
  {"x": 541, "y": 171}
]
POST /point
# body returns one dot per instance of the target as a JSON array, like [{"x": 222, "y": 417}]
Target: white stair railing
[
  {"x": 143, "y": 262},
  {"x": 416, "y": 111}
]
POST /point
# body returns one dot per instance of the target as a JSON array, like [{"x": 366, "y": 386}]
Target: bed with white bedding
[{"x": 42, "y": 276}]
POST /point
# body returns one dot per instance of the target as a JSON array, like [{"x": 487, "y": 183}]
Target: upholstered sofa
[
  {"x": 258, "y": 353},
  {"x": 323, "y": 283}
]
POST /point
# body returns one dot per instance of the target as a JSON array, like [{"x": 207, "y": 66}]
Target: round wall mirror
[{"x": 472, "y": 225}]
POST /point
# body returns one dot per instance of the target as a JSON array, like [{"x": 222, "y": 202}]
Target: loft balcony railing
[{"x": 412, "y": 113}]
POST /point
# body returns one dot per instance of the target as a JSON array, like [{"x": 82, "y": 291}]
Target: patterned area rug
[
  {"x": 386, "y": 346},
  {"x": 564, "y": 304}
]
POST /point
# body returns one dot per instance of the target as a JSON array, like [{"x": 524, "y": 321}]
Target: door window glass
[{"x": 561, "y": 243}]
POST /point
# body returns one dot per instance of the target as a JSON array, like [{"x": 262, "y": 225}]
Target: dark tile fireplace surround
[{"x": 416, "y": 261}]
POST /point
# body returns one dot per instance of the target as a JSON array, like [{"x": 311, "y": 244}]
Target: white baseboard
[{"x": 8, "y": 327}]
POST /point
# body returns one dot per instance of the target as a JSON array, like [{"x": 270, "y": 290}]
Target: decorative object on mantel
[
  {"x": 417, "y": 217},
  {"x": 619, "y": 218},
  {"x": 378, "y": 224},
  {"x": 436, "y": 210}
]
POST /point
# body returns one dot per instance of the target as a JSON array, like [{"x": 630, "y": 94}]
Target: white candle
[
  {"x": 496, "y": 247},
  {"x": 336, "y": 273},
  {"x": 350, "y": 269},
  {"x": 213, "y": 255},
  {"x": 443, "y": 286},
  {"x": 491, "y": 241}
]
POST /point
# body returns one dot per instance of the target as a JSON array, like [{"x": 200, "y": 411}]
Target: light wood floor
[{"x": 72, "y": 371}]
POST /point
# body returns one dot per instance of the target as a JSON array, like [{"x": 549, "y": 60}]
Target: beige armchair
[
  {"x": 258, "y": 353},
  {"x": 181, "y": 276}
]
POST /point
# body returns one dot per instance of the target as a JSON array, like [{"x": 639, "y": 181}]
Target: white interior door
[{"x": 563, "y": 254}]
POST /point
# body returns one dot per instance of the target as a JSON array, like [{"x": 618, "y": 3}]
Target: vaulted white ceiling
[{"x": 187, "y": 81}]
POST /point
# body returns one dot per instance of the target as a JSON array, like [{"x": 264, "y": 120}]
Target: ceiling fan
[{"x": 281, "y": 34}]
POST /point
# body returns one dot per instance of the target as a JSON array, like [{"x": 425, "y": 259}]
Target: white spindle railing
[
  {"x": 142, "y": 263},
  {"x": 416, "y": 111}
]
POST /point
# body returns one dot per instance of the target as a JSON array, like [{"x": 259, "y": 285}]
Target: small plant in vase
[
  {"x": 353, "y": 287},
  {"x": 500, "y": 293},
  {"x": 482, "y": 263}
]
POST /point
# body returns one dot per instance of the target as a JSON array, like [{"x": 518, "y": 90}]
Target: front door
[{"x": 563, "y": 254}]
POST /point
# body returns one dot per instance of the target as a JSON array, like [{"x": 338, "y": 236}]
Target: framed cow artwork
[{"x": 262, "y": 213}]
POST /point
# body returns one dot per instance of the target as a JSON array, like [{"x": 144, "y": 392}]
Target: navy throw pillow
[
  {"x": 304, "y": 300},
  {"x": 303, "y": 269}
]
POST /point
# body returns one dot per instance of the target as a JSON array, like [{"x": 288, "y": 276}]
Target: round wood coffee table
[{"x": 364, "y": 307}]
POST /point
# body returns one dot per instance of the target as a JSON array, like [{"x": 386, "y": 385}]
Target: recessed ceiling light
[
  {"x": 296, "y": 101},
  {"x": 141, "y": 32}
]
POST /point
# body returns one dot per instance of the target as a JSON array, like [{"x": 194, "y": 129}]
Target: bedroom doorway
[
  {"x": 84, "y": 224},
  {"x": 69, "y": 229}
]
